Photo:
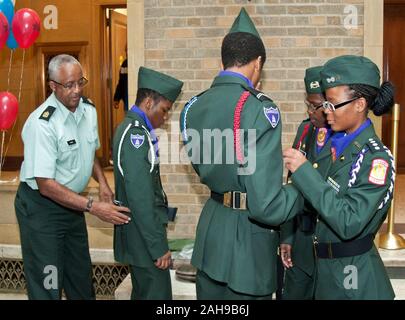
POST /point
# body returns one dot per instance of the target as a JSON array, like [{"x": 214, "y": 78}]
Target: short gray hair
[{"x": 57, "y": 62}]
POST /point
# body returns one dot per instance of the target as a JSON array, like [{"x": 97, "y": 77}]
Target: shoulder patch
[
  {"x": 378, "y": 172},
  {"x": 88, "y": 101},
  {"x": 137, "y": 140},
  {"x": 273, "y": 115},
  {"x": 321, "y": 137},
  {"x": 47, "y": 114}
]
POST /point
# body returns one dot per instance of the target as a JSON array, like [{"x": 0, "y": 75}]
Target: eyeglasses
[
  {"x": 81, "y": 83},
  {"x": 332, "y": 107},
  {"x": 311, "y": 107}
]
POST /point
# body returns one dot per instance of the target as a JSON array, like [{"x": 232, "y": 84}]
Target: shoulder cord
[
  {"x": 152, "y": 150},
  {"x": 236, "y": 125},
  {"x": 390, "y": 191},
  {"x": 186, "y": 109},
  {"x": 356, "y": 168},
  {"x": 303, "y": 135}
]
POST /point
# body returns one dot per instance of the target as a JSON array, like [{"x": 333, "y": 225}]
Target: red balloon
[
  {"x": 4, "y": 30},
  {"x": 26, "y": 27},
  {"x": 8, "y": 110}
]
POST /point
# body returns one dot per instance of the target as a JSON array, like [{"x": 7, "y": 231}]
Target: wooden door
[
  {"x": 394, "y": 71},
  {"x": 118, "y": 42}
]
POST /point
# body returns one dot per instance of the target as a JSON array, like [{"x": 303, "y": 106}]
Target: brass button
[
  {"x": 315, "y": 165},
  {"x": 342, "y": 158}
]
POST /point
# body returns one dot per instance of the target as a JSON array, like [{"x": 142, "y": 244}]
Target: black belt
[
  {"x": 231, "y": 199},
  {"x": 330, "y": 250}
]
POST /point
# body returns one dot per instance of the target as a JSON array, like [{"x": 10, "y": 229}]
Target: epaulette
[
  {"x": 258, "y": 94},
  {"x": 88, "y": 101},
  {"x": 375, "y": 145},
  {"x": 47, "y": 114}
]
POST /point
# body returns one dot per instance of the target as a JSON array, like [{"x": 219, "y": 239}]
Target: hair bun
[{"x": 384, "y": 100}]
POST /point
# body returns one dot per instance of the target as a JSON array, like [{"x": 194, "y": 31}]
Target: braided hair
[{"x": 380, "y": 101}]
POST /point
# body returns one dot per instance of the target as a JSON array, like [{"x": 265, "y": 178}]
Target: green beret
[
  {"x": 243, "y": 23},
  {"x": 346, "y": 70},
  {"x": 313, "y": 80},
  {"x": 163, "y": 84}
]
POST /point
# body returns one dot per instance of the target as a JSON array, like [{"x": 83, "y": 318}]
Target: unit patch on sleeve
[
  {"x": 273, "y": 115},
  {"x": 378, "y": 173},
  {"x": 137, "y": 140}
]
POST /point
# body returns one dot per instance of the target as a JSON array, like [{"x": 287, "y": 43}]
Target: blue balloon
[
  {"x": 7, "y": 7},
  {"x": 11, "y": 41}
]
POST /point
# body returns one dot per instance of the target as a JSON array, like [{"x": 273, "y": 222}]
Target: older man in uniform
[
  {"x": 60, "y": 139},
  {"x": 236, "y": 243},
  {"x": 143, "y": 242},
  {"x": 313, "y": 139}
]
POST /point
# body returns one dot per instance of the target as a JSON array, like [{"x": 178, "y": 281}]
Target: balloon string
[
  {"x": 19, "y": 98},
  {"x": 9, "y": 69},
  {"x": 1, "y": 154},
  {"x": 22, "y": 74}
]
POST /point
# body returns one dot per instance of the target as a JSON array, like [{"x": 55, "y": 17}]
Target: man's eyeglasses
[
  {"x": 332, "y": 107},
  {"x": 311, "y": 107},
  {"x": 81, "y": 83}
]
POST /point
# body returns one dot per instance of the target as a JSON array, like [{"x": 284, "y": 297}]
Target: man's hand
[
  {"x": 165, "y": 261},
  {"x": 110, "y": 213},
  {"x": 105, "y": 193},
  {"x": 293, "y": 159},
  {"x": 285, "y": 253},
  {"x": 116, "y": 104}
]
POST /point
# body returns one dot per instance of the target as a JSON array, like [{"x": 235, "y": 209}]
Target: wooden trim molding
[{"x": 374, "y": 41}]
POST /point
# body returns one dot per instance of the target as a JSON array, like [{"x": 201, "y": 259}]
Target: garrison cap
[
  {"x": 243, "y": 23},
  {"x": 163, "y": 84},
  {"x": 313, "y": 80},
  {"x": 346, "y": 70}
]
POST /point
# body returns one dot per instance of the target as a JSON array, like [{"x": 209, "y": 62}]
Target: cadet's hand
[
  {"x": 293, "y": 159},
  {"x": 110, "y": 213},
  {"x": 165, "y": 261},
  {"x": 105, "y": 193},
  {"x": 116, "y": 104},
  {"x": 285, "y": 253}
]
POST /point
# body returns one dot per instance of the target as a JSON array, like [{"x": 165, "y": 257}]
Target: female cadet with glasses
[{"x": 353, "y": 191}]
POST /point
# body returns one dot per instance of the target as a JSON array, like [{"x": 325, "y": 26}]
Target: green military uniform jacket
[
  {"x": 137, "y": 184},
  {"x": 238, "y": 247},
  {"x": 291, "y": 231},
  {"x": 352, "y": 197}
]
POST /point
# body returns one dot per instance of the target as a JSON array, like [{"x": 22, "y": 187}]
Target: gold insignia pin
[
  {"x": 45, "y": 114},
  {"x": 342, "y": 158}
]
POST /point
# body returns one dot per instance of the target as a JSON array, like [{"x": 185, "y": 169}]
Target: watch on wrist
[{"x": 89, "y": 204}]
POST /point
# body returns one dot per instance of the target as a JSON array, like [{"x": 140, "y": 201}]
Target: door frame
[
  {"x": 374, "y": 42},
  {"x": 100, "y": 56}
]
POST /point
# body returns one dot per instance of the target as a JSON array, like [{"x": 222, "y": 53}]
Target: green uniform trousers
[
  {"x": 210, "y": 289},
  {"x": 54, "y": 247},
  {"x": 150, "y": 283},
  {"x": 298, "y": 285}
]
